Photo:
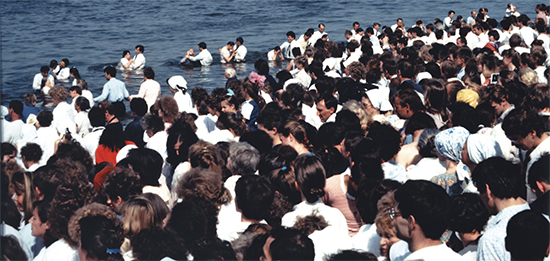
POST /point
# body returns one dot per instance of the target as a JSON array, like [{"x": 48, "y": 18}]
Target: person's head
[
  {"x": 96, "y": 117},
  {"x": 31, "y": 153},
  {"x": 290, "y": 36},
  {"x": 310, "y": 175},
  {"x": 230, "y": 104},
  {"x": 243, "y": 158},
  {"x": 214, "y": 249},
  {"x": 9, "y": 152},
  {"x": 527, "y": 236},
  {"x": 148, "y": 165},
  {"x": 138, "y": 106},
  {"x": 497, "y": 180},
  {"x": 262, "y": 67},
  {"x": 421, "y": 210},
  {"x": 152, "y": 124},
  {"x": 126, "y": 54},
  {"x": 82, "y": 103},
  {"x": 24, "y": 195},
  {"x": 64, "y": 63},
  {"x": 449, "y": 143},
  {"x": 384, "y": 226},
  {"x": 538, "y": 178},
  {"x": 406, "y": 102},
  {"x": 39, "y": 221},
  {"x": 205, "y": 184},
  {"x": 293, "y": 132},
  {"x": 426, "y": 143},
  {"x": 386, "y": 139},
  {"x": 138, "y": 213},
  {"x": 139, "y": 49},
  {"x": 468, "y": 214},
  {"x": 203, "y": 154},
  {"x": 110, "y": 70},
  {"x": 537, "y": 97},
  {"x": 451, "y": 14},
  {"x": 239, "y": 41},
  {"x": 202, "y": 46},
  {"x": 326, "y": 106},
  {"x": 156, "y": 243},
  {"x": 68, "y": 198},
  {"x": 167, "y": 108},
  {"x": 98, "y": 231},
  {"x": 148, "y": 73},
  {"x": 479, "y": 147},
  {"x": 30, "y": 99},
  {"x": 524, "y": 126},
  {"x": 288, "y": 244},
  {"x": 232, "y": 122},
  {"x": 253, "y": 196},
  {"x": 58, "y": 94},
  {"x": 119, "y": 186}
]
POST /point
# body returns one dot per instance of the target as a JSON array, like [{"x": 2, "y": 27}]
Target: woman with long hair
[
  {"x": 435, "y": 100},
  {"x": 294, "y": 134},
  {"x": 24, "y": 196}
]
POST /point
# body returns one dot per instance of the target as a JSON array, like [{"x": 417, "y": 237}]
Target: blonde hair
[
  {"x": 138, "y": 213},
  {"x": 383, "y": 220},
  {"x": 359, "y": 109},
  {"x": 22, "y": 184},
  {"x": 528, "y": 76},
  {"x": 59, "y": 93}
]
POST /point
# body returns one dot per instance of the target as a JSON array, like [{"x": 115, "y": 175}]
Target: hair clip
[
  {"x": 113, "y": 251},
  {"x": 283, "y": 168}
]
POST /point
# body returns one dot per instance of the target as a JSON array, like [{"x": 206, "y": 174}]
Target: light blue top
[{"x": 113, "y": 91}]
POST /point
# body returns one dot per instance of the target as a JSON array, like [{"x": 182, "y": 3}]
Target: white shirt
[
  {"x": 205, "y": 125},
  {"x": 333, "y": 216},
  {"x": 184, "y": 101},
  {"x": 139, "y": 62},
  {"x": 83, "y": 123},
  {"x": 12, "y": 131},
  {"x": 241, "y": 54},
  {"x": 149, "y": 90},
  {"x": 472, "y": 40},
  {"x": 224, "y": 53},
  {"x": 204, "y": 57},
  {"x": 439, "y": 252},
  {"x": 394, "y": 170},
  {"x": 158, "y": 143},
  {"x": 8, "y": 230},
  {"x": 60, "y": 250},
  {"x": 64, "y": 74},
  {"x": 46, "y": 137},
  {"x": 426, "y": 169},
  {"x": 543, "y": 147},
  {"x": 353, "y": 57},
  {"x": 62, "y": 116},
  {"x": 286, "y": 49},
  {"x": 88, "y": 95},
  {"x": 91, "y": 141},
  {"x": 37, "y": 82},
  {"x": 367, "y": 239},
  {"x": 528, "y": 35},
  {"x": 304, "y": 78},
  {"x": 448, "y": 22},
  {"x": 329, "y": 241},
  {"x": 220, "y": 135}
]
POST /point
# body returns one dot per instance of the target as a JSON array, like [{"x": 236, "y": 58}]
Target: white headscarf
[{"x": 481, "y": 147}]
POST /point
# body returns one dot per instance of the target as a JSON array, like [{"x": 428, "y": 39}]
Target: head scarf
[
  {"x": 481, "y": 147},
  {"x": 468, "y": 96},
  {"x": 178, "y": 83},
  {"x": 449, "y": 142}
]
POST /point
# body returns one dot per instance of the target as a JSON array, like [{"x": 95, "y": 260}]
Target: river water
[{"x": 92, "y": 34}]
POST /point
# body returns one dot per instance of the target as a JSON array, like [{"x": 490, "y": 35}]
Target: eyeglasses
[{"x": 392, "y": 213}]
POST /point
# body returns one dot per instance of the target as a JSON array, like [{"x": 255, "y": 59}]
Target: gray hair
[
  {"x": 243, "y": 158},
  {"x": 231, "y": 72}
]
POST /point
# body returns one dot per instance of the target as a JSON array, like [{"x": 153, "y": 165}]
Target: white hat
[{"x": 177, "y": 82}]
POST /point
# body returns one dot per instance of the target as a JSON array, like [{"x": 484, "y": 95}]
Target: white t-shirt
[
  {"x": 241, "y": 53},
  {"x": 139, "y": 62}
]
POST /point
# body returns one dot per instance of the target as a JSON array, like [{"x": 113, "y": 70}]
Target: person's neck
[
  {"x": 15, "y": 116},
  {"x": 542, "y": 138},
  {"x": 244, "y": 219},
  {"x": 501, "y": 204},
  {"x": 416, "y": 245},
  {"x": 451, "y": 166},
  {"x": 468, "y": 238}
]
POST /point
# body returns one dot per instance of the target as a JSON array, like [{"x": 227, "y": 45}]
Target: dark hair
[
  {"x": 45, "y": 118},
  {"x": 253, "y": 196},
  {"x": 152, "y": 122},
  {"x": 330, "y": 101},
  {"x": 214, "y": 249},
  {"x": 527, "y": 236},
  {"x": 66, "y": 61},
  {"x": 99, "y": 234},
  {"x": 141, "y": 48},
  {"x": 230, "y": 121},
  {"x": 113, "y": 137},
  {"x": 17, "y": 107},
  {"x": 291, "y": 33},
  {"x": 410, "y": 97},
  {"x": 110, "y": 70},
  {"x": 348, "y": 120},
  {"x": 537, "y": 96},
  {"x": 183, "y": 132},
  {"x": 522, "y": 121},
  {"x": 367, "y": 175},
  {"x": 426, "y": 144},
  {"x": 539, "y": 172},
  {"x": 125, "y": 52},
  {"x": 502, "y": 177},
  {"x": 428, "y": 203},
  {"x": 32, "y": 152},
  {"x": 123, "y": 183},
  {"x": 149, "y": 73},
  {"x": 290, "y": 244},
  {"x": 155, "y": 243},
  {"x": 77, "y": 89},
  {"x": 262, "y": 67},
  {"x": 311, "y": 177},
  {"x": 96, "y": 117},
  {"x": 468, "y": 213},
  {"x": 200, "y": 97},
  {"x": 139, "y": 106},
  {"x": 74, "y": 152},
  {"x": 240, "y": 39},
  {"x": 147, "y": 163},
  {"x": 386, "y": 139},
  {"x": 464, "y": 115},
  {"x": 11, "y": 249},
  {"x": 269, "y": 162},
  {"x": 352, "y": 255},
  {"x": 419, "y": 121},
  {"x": 47, "y": 178},
  {"x": 283, "y": 182},
  {"x": 83, "y": 103},
  {"x": 258, "y": 139},
  {"x": 194, "y": 219}
]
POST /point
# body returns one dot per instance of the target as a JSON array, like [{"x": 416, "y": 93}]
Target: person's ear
[
  {"x": 540, "y": 186},
  {"x": 412, "y": 223}
]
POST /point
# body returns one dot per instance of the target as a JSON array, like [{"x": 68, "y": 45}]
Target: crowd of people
[{"x": 399, "y": 144}]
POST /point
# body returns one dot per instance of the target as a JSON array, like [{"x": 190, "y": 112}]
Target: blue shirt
[
  {"x": 113, "y": 91},
  {"x": 29, "y": 109}
]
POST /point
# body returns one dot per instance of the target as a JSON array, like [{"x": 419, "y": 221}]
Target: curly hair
[
  {"x": 123, "y": 183},
  {"x": 59, "y": 93},
  {"x": 32, "y": 152},
  {"x": 357, "y": 70},
  {"x": 91, "y": 210},
  {"x": 75, "y": 152},
  {"x": 204, "y": 155},
  {"x": 73, "y": 170},
  {"x": 169, "y": 108},
  {"x": 468, "y": 213},
  {"x": 205, "y": 184},
  {"x": 67, "y": 200}
]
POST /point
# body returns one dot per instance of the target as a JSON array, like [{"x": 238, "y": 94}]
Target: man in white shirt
[
  {"x": 326, "y": 108},
  {"x": 30, "y": 156},
  {"x": 286, "y": 47},
  {"x": 139, "y": 59},
  {"x": 240, "y": 52},
  {"x": 420, "y": 217},
  {"x": 64, "y": 72},
  {"x": 226, "y": 52},
  {"x": 13, "y": 134},
  {"x": 355, "y": 27},
  {"x": 449, "y": 19},
  {"x": 353, "y": 53},
  {"x": 527, "y": 33},
  {"x": 500, "y": 185},
  {"x": 149, "y": 89},
  {"x": 303, "y": 40},
  {"x": 204, "y": 58},
  {"x": 317, "y": 34},
  {"x": 42, "y": 81}
]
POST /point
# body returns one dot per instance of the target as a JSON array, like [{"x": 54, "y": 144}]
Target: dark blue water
[{"x": 92, "y": 34}]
